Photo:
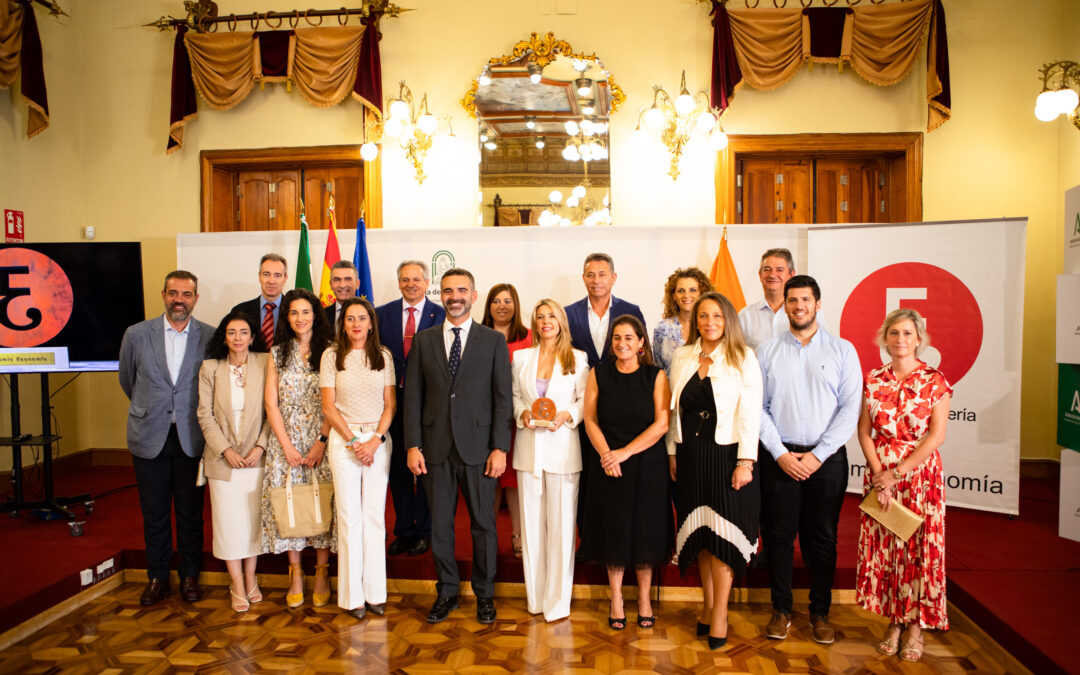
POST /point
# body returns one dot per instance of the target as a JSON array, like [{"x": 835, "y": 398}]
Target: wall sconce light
[
  {"x": 1062, "y": 99},
  {"x": 414, "y": 127},
  {"x": 678, "y": 121},
  {"x": 541, "y": 141}
]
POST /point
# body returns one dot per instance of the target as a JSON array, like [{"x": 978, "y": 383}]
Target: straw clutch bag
[
  {"x": 899, "y": 519},
  {"x": 302, "y": 510}
]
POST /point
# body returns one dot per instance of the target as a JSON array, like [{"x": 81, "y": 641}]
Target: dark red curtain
[
  {"x": 726, "y": 74},
  {"x": 274, "y": 52},
  {"x": 826, "y": 30},
  {"x": 183, "y": 92},
  {"x": 33, "y": 72},
  {"x": 941, "y": 63},
  {"x": 368, "y": 85}
]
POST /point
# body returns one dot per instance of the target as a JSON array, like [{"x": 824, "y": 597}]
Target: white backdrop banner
[
  {"x": 1072, "y": 230},
  {"x": 967, "y": 280}
]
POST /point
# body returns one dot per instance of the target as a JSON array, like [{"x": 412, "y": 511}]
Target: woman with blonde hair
[
  {"x": 901, "y": 429},
  {"x": 547, "y": 457},
  {"x": 712, "y": 449}
]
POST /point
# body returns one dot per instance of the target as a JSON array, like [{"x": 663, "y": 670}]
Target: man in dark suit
[
  {"x": 159, "y": 371},
  {"x": 400, "y": 320},
  {"x": 344, "y": 280},
  {"x": 265, "y": 309},
  {"x": 458, "y": 414},
  {"x": 590, "y": 331}
]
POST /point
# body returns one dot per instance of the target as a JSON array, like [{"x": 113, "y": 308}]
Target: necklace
[{"x": 238, "y": 373}]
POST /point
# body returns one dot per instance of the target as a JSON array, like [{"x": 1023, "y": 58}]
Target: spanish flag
[
  {"x": 332, "y": 255},
  {"x": 723, "y": 276}
]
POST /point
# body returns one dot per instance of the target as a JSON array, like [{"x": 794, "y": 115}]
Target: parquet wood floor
[{"x": 113, "y": 634}]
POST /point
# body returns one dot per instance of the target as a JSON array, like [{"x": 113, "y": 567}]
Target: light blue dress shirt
[
  {"x": 262, "y": 309},
  {"x": 812, "y": 393}
]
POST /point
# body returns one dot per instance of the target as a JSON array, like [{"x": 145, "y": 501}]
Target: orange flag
[
  {"x": 332, "y": 255},
  {"x": 723, "y": 276}
]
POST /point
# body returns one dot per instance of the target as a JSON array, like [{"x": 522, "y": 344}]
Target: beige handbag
[
  {"x": 302, "y": 510},
  {"x": 899, "y": 519}
]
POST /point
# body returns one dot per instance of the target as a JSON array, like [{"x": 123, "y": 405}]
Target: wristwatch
[
  {"x": 896, "y": 474},
  {"x": 382, "y": 438},
  {"x": 323, "y": 438}
]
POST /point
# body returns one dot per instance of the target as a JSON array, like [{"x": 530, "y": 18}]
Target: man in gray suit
[
  {"x": 458, "y": 414},
  {"x": 159, "y": 372}
]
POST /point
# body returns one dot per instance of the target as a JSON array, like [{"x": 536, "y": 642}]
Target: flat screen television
[{"x": 64, "y": 307}]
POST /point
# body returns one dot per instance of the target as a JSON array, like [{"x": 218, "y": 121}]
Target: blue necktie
[{"x": 455, "y": 353}]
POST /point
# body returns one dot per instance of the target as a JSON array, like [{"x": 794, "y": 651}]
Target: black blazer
[
  {"x": 474, "y": 411},
  {"x": 580, "y": 337},
  {"x": 388, "y": 317},
  {"x": 331, "y": 316}
]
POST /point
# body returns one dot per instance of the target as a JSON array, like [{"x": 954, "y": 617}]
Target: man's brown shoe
[
  {"x": 821, "y": 629},
  {"x": 156, "y": 591},
  {"x": 189, "y": 589},
  {"x": 777, "y": 628}
]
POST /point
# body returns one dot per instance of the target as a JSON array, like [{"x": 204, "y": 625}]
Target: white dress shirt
[
  {"x": 760, "y": 324},
  {"x": 598, "y": 326},
  {"x": 448, "y": 335}
]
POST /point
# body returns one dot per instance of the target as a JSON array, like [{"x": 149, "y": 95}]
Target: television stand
[{"x": 51, "y": 507}]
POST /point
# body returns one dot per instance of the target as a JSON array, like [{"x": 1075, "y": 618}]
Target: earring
[{"x": 641, "y": 352}]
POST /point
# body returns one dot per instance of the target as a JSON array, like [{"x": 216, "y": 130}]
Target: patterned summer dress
[
  {"x": 300, "y": 402},
  {"x": 905, "y": 582}
]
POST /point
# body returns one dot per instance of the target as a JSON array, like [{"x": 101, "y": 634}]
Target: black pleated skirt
[{"x": 712, "y": 515}]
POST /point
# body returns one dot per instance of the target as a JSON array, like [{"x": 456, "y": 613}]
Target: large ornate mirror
[{"x": 543, "y": 112}]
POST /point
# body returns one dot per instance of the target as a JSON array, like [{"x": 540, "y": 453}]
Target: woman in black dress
[
  {"x": 712, "y": 445},
  {"x": 626, "y": 417}
]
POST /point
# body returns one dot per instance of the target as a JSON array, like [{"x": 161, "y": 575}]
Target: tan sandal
[
  {"x": 240, "y": 604},
  {"x": 890, "y": 643},
  {"x": 255, "y": 594},
  {"x": 913, "y": 648},
  {"x": 515, "y": 544}
]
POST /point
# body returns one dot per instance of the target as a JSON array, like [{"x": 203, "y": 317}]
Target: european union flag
[{"x": 363, "y": 267}]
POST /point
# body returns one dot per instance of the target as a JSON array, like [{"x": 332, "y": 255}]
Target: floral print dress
[
  {"x": 905, "y": 582},
  {"x": 300, "y": 403}
]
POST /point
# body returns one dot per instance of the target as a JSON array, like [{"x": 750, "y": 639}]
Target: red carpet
[{"x": 1016, "y": 578}]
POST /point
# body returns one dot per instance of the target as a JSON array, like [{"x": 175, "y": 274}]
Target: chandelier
[
  {"x": 414, "y": 127},
  {"x": 678, "y": 122},
  {"x": 1062, "y": 99}
]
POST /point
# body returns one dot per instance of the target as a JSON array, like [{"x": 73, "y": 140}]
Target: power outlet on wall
[{"x": 99, "y": 572}]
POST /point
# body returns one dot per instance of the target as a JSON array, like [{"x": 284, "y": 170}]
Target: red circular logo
[
  {"x": 35, "y": 298},
  {"x": 952, "y": 315}
]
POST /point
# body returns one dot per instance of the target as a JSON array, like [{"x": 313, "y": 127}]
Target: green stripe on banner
[{"x": 1068, "y": 423}]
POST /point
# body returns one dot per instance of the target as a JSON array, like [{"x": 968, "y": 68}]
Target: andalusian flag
[
  {"x": 303, "y": 257},
  {"x": 723, "y": 276},
  {"x": 332, "y": 255},
  {"x": 360, "y": 259}
]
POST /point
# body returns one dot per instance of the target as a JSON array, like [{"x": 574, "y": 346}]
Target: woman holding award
[
  {"x": 549, "y": 397},
  {"x": 901, "y": 428}
]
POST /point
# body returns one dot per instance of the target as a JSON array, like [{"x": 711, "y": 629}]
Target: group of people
[{"x": 572, "y": 414}]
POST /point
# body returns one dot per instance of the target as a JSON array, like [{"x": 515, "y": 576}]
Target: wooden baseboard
[{"x": 59, "y": 610}]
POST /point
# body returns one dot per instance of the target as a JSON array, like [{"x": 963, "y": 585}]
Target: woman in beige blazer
[
  {"x": 548, "y": 458},
  {"x": 231, "y": 416}
]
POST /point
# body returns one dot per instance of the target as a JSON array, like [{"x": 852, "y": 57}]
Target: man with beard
[
  {"x": 813, "y": 388},
  {"x": 458, "y": 414},
  {"x": 159, "y": 372}
]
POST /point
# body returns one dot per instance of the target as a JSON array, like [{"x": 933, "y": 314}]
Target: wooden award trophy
[{"x": 543, "y": 412}]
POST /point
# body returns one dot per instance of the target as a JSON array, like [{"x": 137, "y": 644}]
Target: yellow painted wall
[{"x": 102, "y": 163}]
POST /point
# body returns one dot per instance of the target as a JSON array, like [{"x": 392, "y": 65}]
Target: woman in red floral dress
[{"x": 901, "y": 429}]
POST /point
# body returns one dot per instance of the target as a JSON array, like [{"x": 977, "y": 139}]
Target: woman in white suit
[
  {"x": 236, "y": 431},
  {"x": 548, "y": 458}
]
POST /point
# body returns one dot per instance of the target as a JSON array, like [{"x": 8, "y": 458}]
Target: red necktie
[
  {"x": 268, "y": 325},
  {"x": 410, "y": 330}
]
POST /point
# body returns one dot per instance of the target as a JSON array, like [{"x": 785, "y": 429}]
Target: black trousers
[
  {"x": 167, "y": 482},
  {"x": 808, "y": 509},
  {"x": 441, "y": 482},
  {"x": 587, "y": 452},
  {"x": 411, "y": 515}
]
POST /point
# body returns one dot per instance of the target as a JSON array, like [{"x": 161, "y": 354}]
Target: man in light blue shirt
[{"x": 813, "y": 387}]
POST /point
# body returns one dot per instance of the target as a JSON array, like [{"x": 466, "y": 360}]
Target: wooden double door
[{"x": 270, "y": 200}]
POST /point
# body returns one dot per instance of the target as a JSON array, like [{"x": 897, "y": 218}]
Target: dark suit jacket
[
  {"x": 578, "y": 316},
  {"x": 144, "y": 377},
  {"x": 390, "y": 332},
  {"x": 253, "y": 308},
  {"x": 331, "y": 316},
  {"x": 474, "y": 411}
]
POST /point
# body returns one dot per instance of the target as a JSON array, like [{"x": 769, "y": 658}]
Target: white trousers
[
  {"x": 548, "y": 509},
  {"x": 360, "y": 498}
]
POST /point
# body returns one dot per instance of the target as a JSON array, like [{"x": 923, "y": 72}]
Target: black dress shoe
[
  {"x": 358, "y": 613},
  {"x": 442, "y": 608},
  {"x": 419, "y": 546},
  {"x": 156, "y": 591},
  {"x": 400, "y": 545},
  {"x": 189, "y": 589},
  {"x": 485, "y": 610},
  {"x": 377, "y": 610}
]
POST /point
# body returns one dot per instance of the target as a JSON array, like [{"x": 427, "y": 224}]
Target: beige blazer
[
  {"x": 539, "y": 450},
  {"x": 216, "y": 413}
]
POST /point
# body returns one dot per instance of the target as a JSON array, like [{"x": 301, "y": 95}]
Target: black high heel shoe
[
  {"x": 702, "y": 629},
  {"x": 717, "y": 643}
]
